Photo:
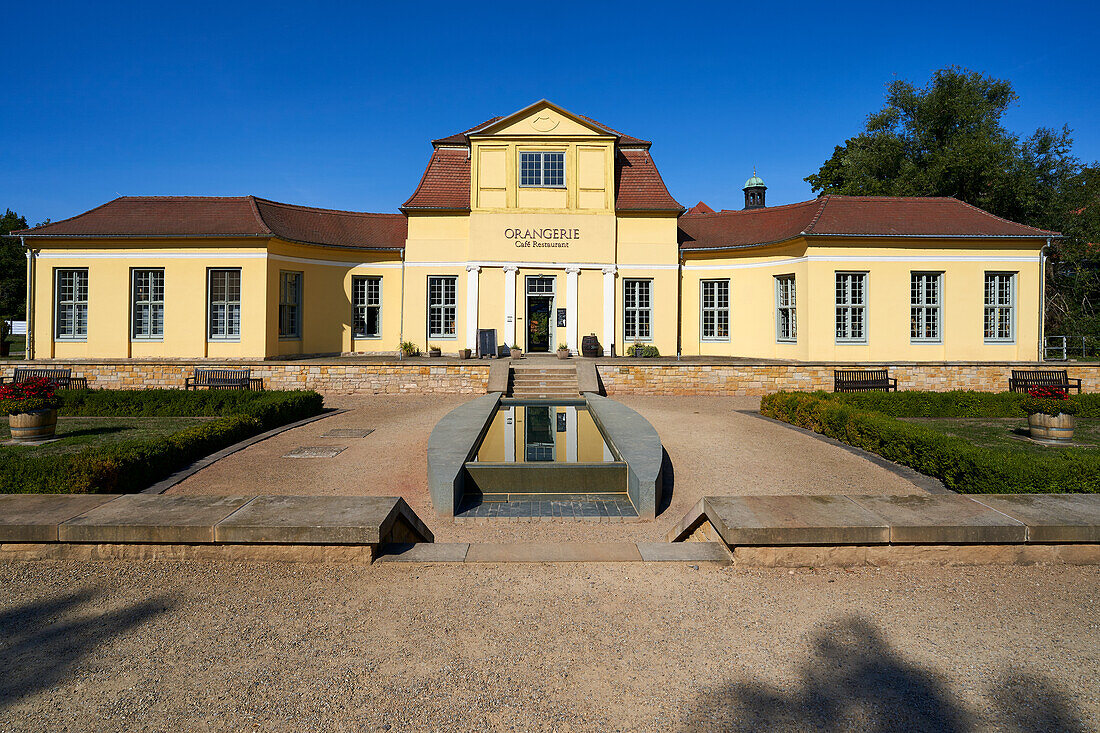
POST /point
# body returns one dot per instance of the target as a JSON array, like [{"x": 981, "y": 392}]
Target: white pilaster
[
  {"x": 572, "y": 300},
  {"x": 471, "y": 306},
  {"x": 510, "y": 434},
  {"x": 571, "y": 434},
  {"x": 509, "y": 334},
  {"x": 608, "y": 309}
]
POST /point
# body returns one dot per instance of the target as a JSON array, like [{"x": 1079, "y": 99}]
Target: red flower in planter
[
  {"x": 33, "y": 394},
  {"x": 1048, "y": 393}
]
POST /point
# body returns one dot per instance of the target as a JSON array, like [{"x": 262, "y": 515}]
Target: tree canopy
[
  {"x": 13, "y": 269},
  {"x": 948, "y": 139}
]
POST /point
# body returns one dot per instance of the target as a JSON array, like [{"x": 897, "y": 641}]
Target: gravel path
[
  {"x": 717, "y": 446},
  {"x": 628, "y": 647}
]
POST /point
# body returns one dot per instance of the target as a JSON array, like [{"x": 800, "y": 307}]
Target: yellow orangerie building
[{"x": 544, "y": 226}]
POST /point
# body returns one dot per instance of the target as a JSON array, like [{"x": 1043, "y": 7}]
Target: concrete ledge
[
  {"x": 1050, "y": 517},
  {"x": 638, "y": 443},
  {"x": 321, "y": 520},
  {"x": 684, "y": 552},
  {"x": 942, "y": 519},
  {"x": 559, "y": 552},
  {"x": 587, "y": 378},
  {"x": 151, "y": 518},
  {"x": 901, "y": 555},
  {"x": 35, "y": 517},
  {"x": 794, "y": 520},
  {"x": 450, "y": 445},
  {"x": 31, "y": 552}
]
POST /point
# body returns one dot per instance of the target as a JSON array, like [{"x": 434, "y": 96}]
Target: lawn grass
[
  {"x": 1008, "y": 433},
  {"x": 17, "y": 344},
  {"x": 78, "y": 433}
]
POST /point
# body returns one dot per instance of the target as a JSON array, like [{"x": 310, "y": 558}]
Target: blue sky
[{"x": 334, "y": 105}]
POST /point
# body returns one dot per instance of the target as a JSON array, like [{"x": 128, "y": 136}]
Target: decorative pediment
[{"x": 543, "y": 118}]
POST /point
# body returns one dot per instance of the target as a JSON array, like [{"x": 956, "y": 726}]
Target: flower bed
[
  {"x": 131, "y": 466},
  {"x": 961, "y": 465}
]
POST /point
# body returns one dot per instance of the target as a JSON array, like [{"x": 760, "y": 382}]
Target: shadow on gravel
[
  {"x": 855, "y": 681},
  {"x": 41, "y": 641}
]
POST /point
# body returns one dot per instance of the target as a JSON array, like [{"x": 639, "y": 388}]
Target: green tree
[
  {"x": 13, "y": 269},
  {"x": 947, "y": 139}
]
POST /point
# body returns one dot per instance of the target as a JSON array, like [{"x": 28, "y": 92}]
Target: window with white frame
[
  {"x": 148, "y": 304},
  {"x": 1000, "y": 298},
  {"x": 290, "y": 305},
  {"x": 442, "y": 302},
  {"x": 715, "y": 296},
  {"x": 637, "y": 310},
  {"x": 72, "y": 304},
  {"x": 225, "y": 303},
  {"x": 851, "y": 307},
  {"x": 366, "y": 295},
  {"x": 786, "y": 325},
  {"x": 542, "y": 170},
  {"x": 925, "y": 298}
]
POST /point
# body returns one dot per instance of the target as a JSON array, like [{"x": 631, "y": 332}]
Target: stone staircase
[{"x": 544, "y": 382}]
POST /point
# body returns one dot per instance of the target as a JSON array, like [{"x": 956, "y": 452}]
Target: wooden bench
[
  {"x": 223, "y": 379},
  {"x": 863, "y": 380},
  {"x": 60, "y": 378},
  {"x": 1023, "y": 380}
]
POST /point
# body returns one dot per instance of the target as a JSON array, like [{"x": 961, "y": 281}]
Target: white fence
[{"x": 18, "y": 328}]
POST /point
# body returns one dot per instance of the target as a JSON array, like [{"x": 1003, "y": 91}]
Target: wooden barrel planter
[
  {"x": 590, "y": 346},
  {"x": 32, "y": 426},
  {"x": 1051, "y": 428}
]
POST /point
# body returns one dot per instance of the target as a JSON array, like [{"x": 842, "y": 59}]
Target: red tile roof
[
  {"x": 638, "y": 184},
  {"x": 699, "y": 208},
  {"x": 459, "y": 138},
  {"x": 445, "y": 183},
  {"x": 847, "y": 215},
  {"x": 230, "y": 216}
]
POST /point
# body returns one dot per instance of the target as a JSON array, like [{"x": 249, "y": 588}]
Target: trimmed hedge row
[
  {"x": 960, "y": 403},
  {"x": 133, "y": 465},
  {"x": 961, "y": 465}
]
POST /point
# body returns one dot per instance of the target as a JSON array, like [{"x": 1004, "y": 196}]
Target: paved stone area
[
  {"x": 158, "y": 646},
  {"x": 316, "y": 451},
  {"x": 715, "y": 445},
  {"x": 606, "y": 510}
]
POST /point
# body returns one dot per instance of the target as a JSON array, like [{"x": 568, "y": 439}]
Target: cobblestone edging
[{"x": 630, "y": 377}]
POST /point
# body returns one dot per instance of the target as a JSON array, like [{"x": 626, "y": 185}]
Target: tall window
[
  {"x": 542, "y": 170},
  {"x": 716, "y": 309},
  {"x": 851, "y": 306},
  {"x": 637, "y": 309},
  {"x": 225, "y": 304},
  {"x": 924, "y": 306},
  {"x": 441, "y": 306},
  {"x": 290, "y": 305},
  {"x": 366, "y": 295},
  {"x": 148, "y": 304},
  {"x": 72, "y": 304},
  {"x": 999, "y": 306},
  {"x": 786, "y": 327}
]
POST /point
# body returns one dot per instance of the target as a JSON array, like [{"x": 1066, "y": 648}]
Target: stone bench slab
[
  {"x": 35, "y": 517},
  {"x": 942, "y": 519},
  {"x": 684, "y": 552},
  {"x": 151, "y": 518},
  {"x": 1051, "y": 517},
  {"x": 323, "y": 520},
  {"x": 794, "y": 520}
]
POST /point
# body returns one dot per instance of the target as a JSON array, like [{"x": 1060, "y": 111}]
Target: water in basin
[{"x": 543, "y": 433}]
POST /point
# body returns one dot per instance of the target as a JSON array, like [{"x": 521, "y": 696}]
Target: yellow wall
[{"x": 889, "y": 266}]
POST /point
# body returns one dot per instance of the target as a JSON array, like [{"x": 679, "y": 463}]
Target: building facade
[{"x": 544, "y": 226}]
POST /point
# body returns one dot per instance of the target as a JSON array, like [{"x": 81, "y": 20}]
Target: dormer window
[{"x": 542, "y": 170}]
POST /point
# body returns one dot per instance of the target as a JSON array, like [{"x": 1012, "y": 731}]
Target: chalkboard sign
[
  {"x": 487, "y": 342},
  {"x": 561, "y": 317}
]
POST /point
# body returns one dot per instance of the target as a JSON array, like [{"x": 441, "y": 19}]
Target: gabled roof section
[
  {"x": 230, "y": 216},
  {"x": 638, "y": 184},
  {"x": 852, "y": 216},
  {"x": 445, "y": 184},
  {"x": 462, "y": 138},
  {"x": 699, "y": 208}
]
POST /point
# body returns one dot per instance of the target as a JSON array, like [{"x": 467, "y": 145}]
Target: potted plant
[
  {"x": 434, "y": 350},
  {"x": 1050, "y": 414},
  {"x": 408, "y": 348},
  {"x": 31, "y": 407},
  {"x": 464, "y": 353},
  {"x": 563, "y": 351},
  {"x": 517, "y": 352}
]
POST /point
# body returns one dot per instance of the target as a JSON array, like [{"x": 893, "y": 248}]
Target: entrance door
[{"x": 540, "y": 309}]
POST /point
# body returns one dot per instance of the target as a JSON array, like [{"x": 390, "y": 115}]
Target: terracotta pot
[
  {"x": 517, "y": 353},
  {"x": 563, "y": 354},
  {"x": 1052, "y": 428},
  {"x": 31, "y": 426}
]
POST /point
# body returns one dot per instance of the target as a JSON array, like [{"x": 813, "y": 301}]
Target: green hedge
[
  {"x": 961, "y": 465},
  {"x": 134, "y": 465},
  {"x": 951, "y": 404}
]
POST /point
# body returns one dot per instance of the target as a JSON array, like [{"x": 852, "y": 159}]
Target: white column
[
  {"x": 509, "y": 334},
  {"x": 510, "y": 434},
  {"x": 608, "y": 309},
  {"x": 571, "y": 434},
  {"x": 471, "y": 306},
  {"x": 572, "y": 299}
]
